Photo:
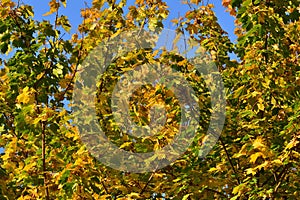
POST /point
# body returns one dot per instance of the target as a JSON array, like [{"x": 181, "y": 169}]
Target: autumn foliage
[{"x": 257, "y": 155}]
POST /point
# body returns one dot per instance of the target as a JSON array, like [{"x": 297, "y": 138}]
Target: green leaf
[
  {"x": 3, "y": 27},
  {"x": 64, "y": 177},
  {"x": 3, "y": 47}
]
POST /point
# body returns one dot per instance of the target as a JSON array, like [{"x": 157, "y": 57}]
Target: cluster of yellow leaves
[
  {"x": 26, "y": 96},
  {"x": 6, "y": 6}
]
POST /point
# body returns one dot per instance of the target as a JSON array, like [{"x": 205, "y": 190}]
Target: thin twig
[
  {"x": 281, "y": 178},
  {"x": 230, "y": 161},
  {"x": 56, "y": 17},
  {"x": 144, "y": 188},
  {"x": 103, "y": 185},
  {"x": 44, "y": 160}
]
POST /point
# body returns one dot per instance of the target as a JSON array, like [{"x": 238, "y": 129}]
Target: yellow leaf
[
  {"x": 119, "y": 25},
  {"x": 29, "y": 166},
  {"x": 81, "y": 151},
  {"x": 185, "y": 197},
  {"x": 64, "y": 3},
  {"x": 159, "y": 175},
  {"x": 182, "y": 63},
  {"x": 256, "y": 155},
  {"x": 134, "y": 195},
  {"x": 255, "y": 93},
  {"x": 258, "y": 143},
  {"x": 156, "y": 146},
  {"x": 175, "y": 21},
  {"x": 261, "y": 106},
  {"x": 79, "y": 162},
  {"x": 251, "y": 171},
  {"x": 40, "y": 76},
  {"x": 213, "y": 169},
  {"x": 292, "y": 144},
  {"x": 176, "y": 39},
  {"x": 69, "y": 134},
  {"x": 261, "y": 18},
  {"x": 238, "y": 91},
  {"x": 26, "y": 96},
  {"x": 126, "y": 144},
  {"x": 242, "y": 152},
  {"x": 237, "y": 155},
  {"x": 9, "y": 166},
  {"x": 273, "y": 101},
  {"x": 104, "y": 197},
  {"x": 277, "y": 161},
  {"x": 121, "y": 188},
  {"x": 238, "y": 188},
  {"x": 53, "y": 7},
  {"x": 264, "y": 165}
]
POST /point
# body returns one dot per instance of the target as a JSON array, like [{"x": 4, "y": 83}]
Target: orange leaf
[{"x": 225, "y": 3}]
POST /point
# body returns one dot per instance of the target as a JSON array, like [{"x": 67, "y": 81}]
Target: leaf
[
  {"x": 3, "y": 28},
  {"x": 64, "y": 3},
  {"x": 292, "y": 144},
  {"x": 225, "y": 3},
  {"x": 29, "y": 11},
  {"x": 253, "y": 157},
  {"x": 260, "y": 106},
  {"x": 134, "y": 195},
  {"x": 251, "y": 171},
  {"x": 260, "y": 72},
  {"x": 64, "y": 177},
  {"x": 258, "y": 143},
  {"x": 57, "y": 72},
  {"x": 213, "y": 169},
  {"x": 257, "y": 2},
  {"x": 1, "y": 129},
  {"x": 273, "y": 101},
  {"x": 54, "y": 5},
  {"x": 238, "y": 189},
  {"x": 126, "y": 144},
  {"x": 26, "y": 96},
  {"x": 195, "y": 1},
  {"x": 185, "y": 197},
  {"x": 104, "y": 197},
  {"x": 29, "y": 167},
  {"x": 4, "y": 47},
  {"x": 238, "y": 91},
  {"x": 64, "y": 22}
]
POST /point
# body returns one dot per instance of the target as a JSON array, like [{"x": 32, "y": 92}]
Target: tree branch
[
  {"x": 144, "y": 188},
  {"x": 230, "y": 161},
  {"x": 44, "y": 160}
]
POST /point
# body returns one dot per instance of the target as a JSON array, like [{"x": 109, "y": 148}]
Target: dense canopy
[{"x": 256, "y": 156}]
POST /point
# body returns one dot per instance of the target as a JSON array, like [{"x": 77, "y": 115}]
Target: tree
[
  {"x": 256, "y": 156},
  {"x": 264, "y": 99}
]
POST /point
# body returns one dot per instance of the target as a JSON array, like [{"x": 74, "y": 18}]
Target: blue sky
[{"x": 176, "y": 8}]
